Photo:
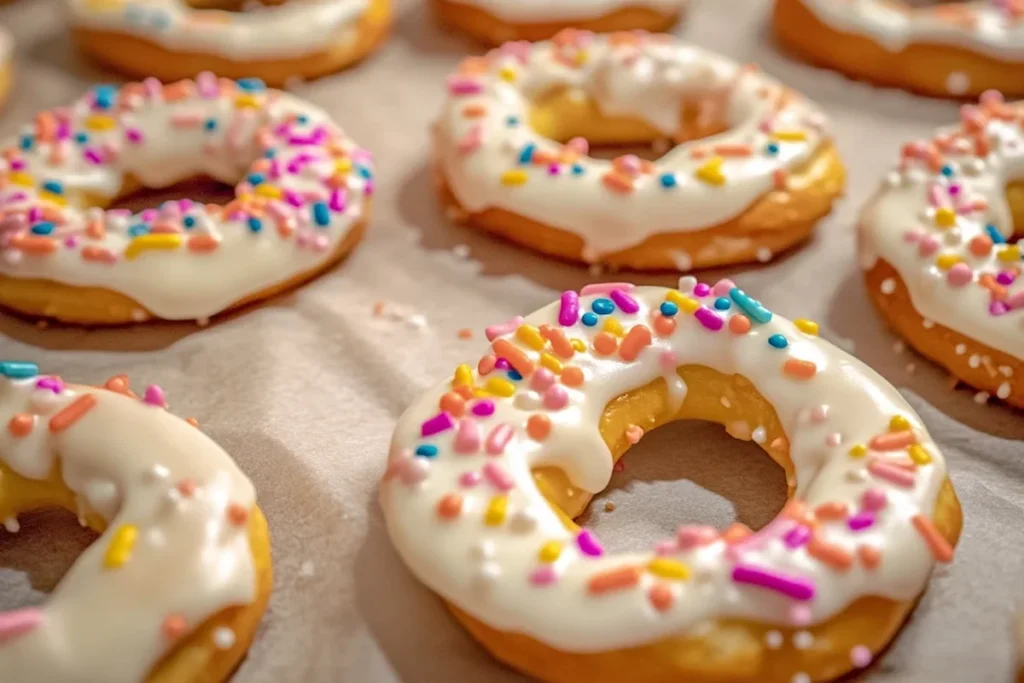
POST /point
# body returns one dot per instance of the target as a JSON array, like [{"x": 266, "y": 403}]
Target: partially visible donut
[{"x": 6, "y": 63}]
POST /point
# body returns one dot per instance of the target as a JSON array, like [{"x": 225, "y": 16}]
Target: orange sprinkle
[
  {"x": 450, "y": 506},
  {"x": 779, "y": 179},
  {"x": 734, "y": 150},
  {"x": 95, "y": 230},
  {"x": 21, "y": 424},
  {"x": 698, "y": 153},
  {"x": 661, "y": 597},
  {"x": 464, "y": 391},
  {"x": 937, "y": 543},
  {"x": 454, "y": 404},
  {"x": 46, "y": 125},
  {"x": 473, "y": 65},
  {"x": 474, "y": 111},
  {"x": 981, "y": 245},
  {"x": 192, "y": 421},
  {"x": 538, "y": 427},
  {"x": 893, "y": 441},
  {"x": 486, "y": 364},
  {"x": 664, "y": 325},
  {"x": 187, "y": 487},
  {"x": 95, "y": 254},
  {"x": 869, "y": 556},
  {"x": 605, "y": 343},
  {"x": 177, "y": 91},
  {"x": 559, "y": 342},
  {"x": 800, "y": 369},
  {"x": 997, "y": 290},
  {"x": 739, "y": 324},
  {"x": 794, "y": 509},
  {"x": 542, "y": 158},
  {"x": 119, "y": 384},
  {"x": 31, "y": 244},
  {"x": 202, "y": 243},
  {"x": 465, "y": 333},
  {"x": 174, "y": 626},
  {"x": 238, "y": 515},
  {"x": 516, "y": 358},
  {"x": 736, "y": 533},
  {"x": 572, "y": 377},
  {"x": 617, "y": 182},
  {"x": 613, "y": 580},
  {"x": 832, "y": 555},
  {"x": 637, "y": 339},
  {"x": 831, "y": 511},
  {"x": 72, "y": 413}
]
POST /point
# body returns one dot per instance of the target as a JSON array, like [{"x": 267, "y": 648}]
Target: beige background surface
[{"x": 304, "y": 389}]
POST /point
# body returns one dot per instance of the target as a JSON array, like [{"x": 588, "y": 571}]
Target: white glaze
[
  {"x": 123, "y": 460},
  {"x": 177, "y": 145},
  {"x": 486, "y": 570},
  {"x": 536, "y": 11},
  {"x": 290, "y": 30},
  {"x": 899, "y": 225},
  {"x": 649, "y": 80},
  {"x": 997, "y": 32}
]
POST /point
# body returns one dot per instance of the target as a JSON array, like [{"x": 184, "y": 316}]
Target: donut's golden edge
[
  {"x": 728, "y": 650},
  {"x": 139, "y": 57},
  {"x": 920, "y": 67}
]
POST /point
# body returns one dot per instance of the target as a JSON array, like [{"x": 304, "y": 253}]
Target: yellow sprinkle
[
  {"x": 269, "y": 191},
  {"x": 21, "y": 178},
  {"x": 611, "y": 324},
  {"x": 947, "y": 261},
  {"x": 806, "y": 326},
  {"x": 578, "y": 345},
  {"x": 790, "y": 135},
  {"x": 898, "y": 423},
  {"x": 496, "y": 509},
  {"x": 945, "y": 217},
  {"x": 121, "y": 544},
  {"x": 550, "y": 551},
  {"x": 247, "y": 101},
  {"x": 99, "y": 122},
  {"x": 103, "y": 4},
  {"x": 463, "y": 376},
  {"x": 1009, "y": 254},
  {"x": 150, "y": 242},
  {"x": 53, "y": 198},
  {"x": 687, "y": 303},
  {"x": 516, "y": 177},
  {"x": 500, "y": 387},
  {"x": 343, "y": 165},
  {"x": 919, "y": 455},
  {"x": 530, "y": 335},
  {"x": 551, "y": 363},
  {"x": 507, "y": 73},
  {"x": 481, "y": 393},
  {"x": 669, "y": 569},
  {"x": 858, "y": 451},
  {"x": 582, "y": 57},
  {"x": 711, "y": 172}
]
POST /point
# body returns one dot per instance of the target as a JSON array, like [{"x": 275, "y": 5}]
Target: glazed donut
[
  {"x": 172, "y": 39},
  {"x": 302, "y": 202},
  {"x": 499, "y": 21},
  {"x": 754, "y": 188},
  {"x": 958, "y": 49},
  {"x": 940, "y": 254},
  {"x": 175, "y": 586},
  {"x": 487, "y": 471}
]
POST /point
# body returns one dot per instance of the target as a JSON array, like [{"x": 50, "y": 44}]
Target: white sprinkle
[
  {"x": 461, "y": 250},
  {"x": 957, "y": 83},
  {"x": 482, "y": 550},
  {"x": 898, "y": 346},
  {"x": 961, "y": 349},
  {"x": 13, "y": 256},
  {"x": 528, "y": 400},
  {"x": 803, "y": 640},
  {"x": 888, "y": 286},
  {"x": 1006, "y": 371},
  {"x": 773, "y": 639},
  {"x": 764, "y": 254},
  {"x": 800, "y": 678},
  {"x": 834, "y": 439},
  {"x": 417, "y": 321},
  {"x": 974, "y": 361},
  {"x": 927, "y": 324},
  {"x": 725, "y": 402},
  {"x": 759, "y": 435},
  {"x": 893, "y": 179},
  {"x": 489, "y": 573},
  {"x": 223, "y": 638},
  {"x": 687, "y": 283},
  {"x": 307, "y": 569},
  {"x": 138, "y": 315},
  {"x": 156, "y": 473},
  {"x": 1003, "y": 391},
  {"x": 857, "y": 476},
  {"x": 11, "y": 524},
  {"x": 682, "y": 260},
  {"x": 981, "y": 398}
]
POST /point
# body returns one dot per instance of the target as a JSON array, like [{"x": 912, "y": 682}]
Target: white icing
[
  {"x": 844, "y": 396},
  {"x": 649, "y": 79},
  {"x": 900, "y": 225},
  {"x": 526, "y": 11},
  {"x": 292, "y": 29},
  {"x": 997, "y": 31},
  {"x": 212, "y": 131},
  {"x": 104, "y": 625},
  {"x": 6, "y": 45}
]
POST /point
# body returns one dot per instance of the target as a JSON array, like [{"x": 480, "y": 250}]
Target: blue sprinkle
[
  {"x": 577, "y": 169},
  {"x": 365, "y": 172},
  {"x": 512, "y": 121},
  {"x": 53, "y": 186},
  {"x": 25, "y": 142},
  {"x": 105, "y": 95},
  {"x": 42, "y": 228},
  {"x": 81, "y": 138},
  {"x": 994, "y": 235},
  {"x": 514, "y": 375},
  {"x": 427, "y": 450},
  {"x": 668, "y": 308},
  {"x": 321, "y": 214},
  {"x": 138, "y": 229},
  {"x": 589, "y": 319},
  {"x": 302, "y": 118},
  {"x": 722, "y": 304},
  {"x": 255, "y": 178},
  {"x": 255, "y": 225},
  {"x": 251, "y": 84},
  {"x": 18, "y": 369},
  {"x": 772, "y": 149},
  {"x": 947, "y": 170},
  {"x": 526, "y": 155},
  {"x": 778, "y": 341},
  {"x": 668, "y": 180},
  {"x": 752, "y": 307},
  {"x": 189, "y": 221},
  {"x": 270, "y": 154},
  {"x": 602, "y": 306},
  {"x": 210, "y": 124}
]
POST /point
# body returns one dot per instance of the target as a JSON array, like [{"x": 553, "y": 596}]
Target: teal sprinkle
[
  {"x": 752, "y": 307},
  {"x": 251, "y": 84},
  {"x": 138, "y": 229},
  {"x": 189, "y": 221},
  {"x": 722, "y": 304},
  {"x": 53, "y": 186},
  {"x": 25, "y": 142},
  {"x": 427, "y": 450},
  {"x": 81, "y": 138},
  {"x": 602, "y": 306},
  {"x": 321, "y": 214},
  {"x": 255, "y": 178},
  {"x": 42, "y": 228},
  {"x": 210, "y": 124},
  {"x": 526, "y": 155},
  {"x": 994, "y": 235},
  {"x": 589, "y": 319},
  {"x": 778, "y": 341},
  {"x": 255, "y": 225},
  {"x": 668, "y": 180},
  {"x": 18, "y": 369},
  {"x": 577, "y": 169},
  {"x": 668, "y": 308},
  {"x": 514, "y": 375}
]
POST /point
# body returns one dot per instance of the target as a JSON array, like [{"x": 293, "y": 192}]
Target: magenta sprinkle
[
  {"x": 797, "y": 536},
  {"x": 92, "y": 156},
  {"x": 134, "y": 135},
  {"x": 437, "y": 424},
  {"x": 35, "y": 214},
  {"x": 861, "y": 521},
  {"x": 51, "y": 383},
  {"x": 458, "y": 85},
  {"x": 553, "y": 169},
  {"x": 149, "y": 215},
  {"x": 18, "y": 165},
  {"x": 483, "y": 408},
  {"x": 798, "y": 588},
  {"x": 708, "y": 319},
  {"x": 154, "y": 396},
  {"x": 701, "y": 289},
  {"x": 502, "y": 364},
  {"x": 624, "y": 301},
  {"x": 1005, "y": 277},
  {"x": 569, "y": 309},
  {"x": 589, "y": 544},
  {"x": 998, "y": 308},
  {"x": 954, "y": 190},
  {"x": 184, "y": 204},
  {"x": 337, "y": 202},
  {"x": 293, "y": 198},
  {"x": 369, "y": 188},
  {"x": 71, "y": 241}
]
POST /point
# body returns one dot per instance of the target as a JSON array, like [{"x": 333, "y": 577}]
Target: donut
[
  {"x": 497, "y": 21},
  {"x": 958, "y": 49},
  {"x": 302, "y": 200},
  {"x": 171, "y": 39},
  {"x": 512, "y": 153},
  {"x": 941, "y": 250},
  {"x": 178, "y": 580},
  {"x": 487, "y": 471},
  {"x": 6, "y": 56}
]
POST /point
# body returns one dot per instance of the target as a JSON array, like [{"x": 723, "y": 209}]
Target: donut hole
[
  {"x": 135, "y": 198},
  {"x": 233, "y": 6},
  {"x": 1015, "y": 200},
  {"x": 753, "y": 486}
]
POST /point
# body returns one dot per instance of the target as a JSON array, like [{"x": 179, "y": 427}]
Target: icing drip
[{"x": 540, "y": 10}]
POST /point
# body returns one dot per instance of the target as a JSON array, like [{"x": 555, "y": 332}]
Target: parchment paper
[{"x": 304, "y": 389}]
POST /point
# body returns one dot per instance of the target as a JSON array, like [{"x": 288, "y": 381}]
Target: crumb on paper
[
  {"x": 307, "y": 569},
  {"x": 465, "y": 333},
  {"x": 609, "y": 506}
]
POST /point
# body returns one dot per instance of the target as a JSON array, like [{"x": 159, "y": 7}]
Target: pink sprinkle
[
  {"x": 630, "y": 163},
  {"x": 497, "y": 475},
  {"x": 959, "y": 275},
  {"x": 624, "y": 301},
  {"x": 499, "y": 438},
  {"x": 413, "y": 470},
  {"x": 35, "y": 214},
  {"x": 186, "y": 120},
  {"x": 554, "y": 169},
  {"x": 154, "y": 396},
  {"x": 820, "y": 413},
  {"x": 861, "y": 521},
  {"x": 470, "y": 479},
  {"x": 665, "y": 548},
  {"x": 543, "y": 575},
  {"x": 71, "y": 241},
  {"x": 891, "y": 473},
  {"x": 458, "y": 85},
  {"x": 701, "y": 289},
  {"x": 936, "y": 197},
  {"x": 722, "y": 287},
  {"x": 860, "y": 655},
  {"x": 467, "y": 439},
  {"x": 998, "y": 308},
  {"x": 471, "y": 141},
  {"x": 579, "y": 145},
  {"x": 707, "y": 318},
  {"x": 569, "y": 309},
  {"x": 1016, "y": 300},
  {"x": 133, "y": 135},
  {"x": 911, "y": 236},
  {"x": 668, "y": 359},
  {"x": 153, "y": 87},
  {"x": 483, "y": 408},
  {"x": 874, "y": 499},
  {"x": 692, "y": 536},
  {"x": 208, "y": 87},
  {"x": 589, "y": 544},
  {"x": 796, "y": 587},
  {"x": 833, "y": 439},
  {"x": 797, "y": 536},
  {"x": 927, "y": 246},
  {"x": 19, "y": 622},
  {"x": 556, "y": 397},
  {"x": 437, "y": 424},
  {"x": 507, "y": 327},
  {"x": 605, "y": 288},
  {"x": 800, "y": 615}
]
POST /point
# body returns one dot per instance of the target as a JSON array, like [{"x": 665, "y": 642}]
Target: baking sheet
[{"x": 304, "y": 389}]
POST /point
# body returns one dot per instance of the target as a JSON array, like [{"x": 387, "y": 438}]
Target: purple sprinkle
[
  {"x": 701, "y": 289},
  {"x": 238, "y": 216},
  {"x": 861, "y": 521},
  {"x": 293, "y": 198},
  {"x": 797, "y": 536},
  {"x": 589, "y": 544},
  {"x": 569, "y": 309},
  {"x": 483, "y": 408},
  {"x": 51, "y": 383},
  {"x": 93, "y": 156},
  {"x": 1005, "y": 277},
  {"x": 437, "y": 424},
  {"x": 796, "y": 587},
  {"x": 134, "y": 135},
  {"x": 63, "y": 130},
  {"x": 624, "y": 301},
  {"x": 708, "y": 319},
  {"x": 502, "y": 364},
  {"x": 998, "y": 308}
]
